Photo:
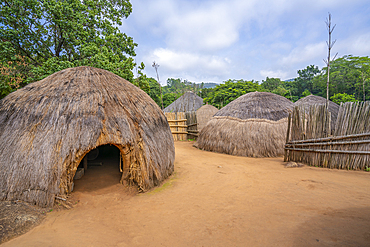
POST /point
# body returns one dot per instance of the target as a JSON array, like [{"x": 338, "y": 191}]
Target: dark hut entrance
[{"x": 103, "y": 169}]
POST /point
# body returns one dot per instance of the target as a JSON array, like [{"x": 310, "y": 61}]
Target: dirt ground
[{"x": 215, "y": 200}]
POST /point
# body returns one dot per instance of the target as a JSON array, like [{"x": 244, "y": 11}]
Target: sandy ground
[{"x": 215, "y": 200}]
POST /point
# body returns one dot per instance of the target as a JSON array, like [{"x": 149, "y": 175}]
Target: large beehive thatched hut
[
  {"x": 204, "y": 114},
  {"x": 253, "y": 125},
  {"x": 189, "y": 101},
  {"x": 309, "y": 100},
  {"x": 48, "y": 127}
]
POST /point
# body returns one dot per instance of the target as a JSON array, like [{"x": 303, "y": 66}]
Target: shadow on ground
[
  {"x": 17, "y": 218},
  {"x": 344, "y": 227}
]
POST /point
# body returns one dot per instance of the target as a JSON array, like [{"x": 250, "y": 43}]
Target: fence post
[{"x": 287, "y": 137}]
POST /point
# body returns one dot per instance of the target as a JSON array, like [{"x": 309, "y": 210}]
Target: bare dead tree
[
  {"x": 155, "y": 66},
  {"x": 330, "y": 45}
]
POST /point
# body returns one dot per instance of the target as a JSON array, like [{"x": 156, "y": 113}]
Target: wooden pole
[
  {"x": 330, "y": 151},
  {"x": 330, "y": 138},
  {"x": 287, "y": 137}
]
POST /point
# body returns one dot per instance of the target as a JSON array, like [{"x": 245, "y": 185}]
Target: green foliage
[
  {"x": 342, "y": 98},
  {"x": 168, "y": 98},
  {"x": 231, "y": 90},
  {"x": 52, "y": 35},
  {"x": 154, "y": 91},
  {"x": 306, "y": 93},
  {"x": 271, "y": 84},
  {"x": 348, "y": 74},
  {"x": 179, "y": 87},
  {"x": 304, "y": 81},
  {"x": 142, "y": 81}
]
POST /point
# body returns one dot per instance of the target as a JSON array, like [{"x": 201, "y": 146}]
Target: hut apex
[
  {"x": 49, "y": 126},
  {"x": 309, "y": 100},
  {"x": 189, "y": 101},
  {"x": 253, "y": 125},
  {"x": 204, "y": 114}
]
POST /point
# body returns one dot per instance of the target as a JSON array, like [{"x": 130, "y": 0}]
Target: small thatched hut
[
  {"x": 49, "y": 126},
  {"x": 204, "y": 114},
  {"x": 253, "y": 125},
  {"x": 309, "y": 100},
  {"x": 189, "y": 101}
]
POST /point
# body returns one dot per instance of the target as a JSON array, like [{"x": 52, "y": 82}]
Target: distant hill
[
  {"x": 209, "y": 84},
  {"x": 290, "y": 80}
]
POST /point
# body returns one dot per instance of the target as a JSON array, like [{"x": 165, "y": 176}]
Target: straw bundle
[
  {"x": 253, "y": 125},
  {"x": 189, "y": 101},
  {"x": 48, "y": 127}
]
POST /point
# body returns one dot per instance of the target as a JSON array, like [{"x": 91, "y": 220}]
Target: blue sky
[{"x": 217, "y": 40}]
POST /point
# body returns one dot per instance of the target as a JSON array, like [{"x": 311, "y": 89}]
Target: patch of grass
[
  {"x": 165, "y": 185},
  {"x": 367, "y": 169}
]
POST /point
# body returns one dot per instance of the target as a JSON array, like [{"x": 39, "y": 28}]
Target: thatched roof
[
  {"x": 260, "y": 105},
  {"x": 48, "y": 127},
  {"x": 253, "y": 125},
  {"x": 189, "y": 101},
  {"x": 204, "y": 114},
  {"x": 309, "y": 100}
]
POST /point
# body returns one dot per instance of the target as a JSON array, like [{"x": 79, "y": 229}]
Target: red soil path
[{"x": 215, "y": 200}]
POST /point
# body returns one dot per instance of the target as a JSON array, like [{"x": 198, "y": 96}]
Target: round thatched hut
[
  {"x": 204, "y": 114},
  {"x": 189, "y": 101},
  {"x": 253, "y": 125},
  {"x": 309, "y": 100},
  {"x": 49, "y": 126}
]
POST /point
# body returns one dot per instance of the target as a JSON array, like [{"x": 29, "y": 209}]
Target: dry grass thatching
[
  {"x": 189, "y": 101},
  {"x": 260, "y": 105},
  {"x": 48, "y": 127},
  {"x": 309, "y": 100},
  {"x": 204, "y": 114},
  {"x": 253, "y": 125}
]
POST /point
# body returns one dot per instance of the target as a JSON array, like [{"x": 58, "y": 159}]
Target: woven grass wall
[
  {"x": 50, "y": 125},
  {"x": 204, "y": 114},
  {"x": 253, "y": 125}
]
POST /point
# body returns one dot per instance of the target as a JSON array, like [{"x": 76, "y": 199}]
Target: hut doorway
[{"x": 103, "y": 169}]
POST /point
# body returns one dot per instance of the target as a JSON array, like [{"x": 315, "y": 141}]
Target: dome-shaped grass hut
[
  {"x": 309, "y": 100},
  {"x": 253, "y": 125},
  {"x": 204, "y": 114},
  {"x": 189, "y": 101},
  {"x": 49, "y": 126}
]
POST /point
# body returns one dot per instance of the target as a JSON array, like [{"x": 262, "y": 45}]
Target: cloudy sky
[{"x": 217, "y": 40}]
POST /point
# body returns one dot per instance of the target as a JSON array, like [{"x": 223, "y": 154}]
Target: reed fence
[
  {"x": 310, "y": 139},
  {"x": 183, "y": 125}
]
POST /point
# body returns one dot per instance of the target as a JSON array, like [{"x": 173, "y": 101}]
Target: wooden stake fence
[{"x": 310, "y": 142}]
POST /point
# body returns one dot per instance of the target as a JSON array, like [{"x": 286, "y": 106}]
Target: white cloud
[
  {"x": 175, "y": 63},
  {"x": 305, "y": 54},
  {"x": 219, "y": 40},
  {"x": 356, "y": 45},
  {"x": 273, "y": 74}
]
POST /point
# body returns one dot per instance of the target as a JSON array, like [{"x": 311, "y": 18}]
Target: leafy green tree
[
  {"x": 348, "y": 74},
  {"x": 168, "y": 98},
  {"x": 304, "y": 81},
  {"x": 342, "y": 98},
  {"x": 306, "y": 93},
  {"x": 52, "y": 35},
  {"x": 231, "y": 90},
  {"x": 154, "y": 91},
  {"x": 270, "y": 84}
]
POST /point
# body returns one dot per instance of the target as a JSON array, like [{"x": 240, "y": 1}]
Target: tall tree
[
  {"x": 230, "y": 90},
  {"x": 51, "y": 35}
]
